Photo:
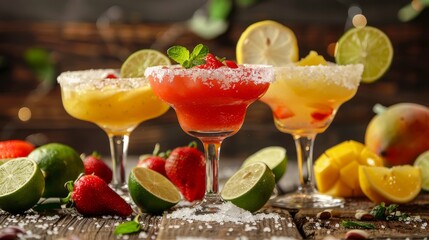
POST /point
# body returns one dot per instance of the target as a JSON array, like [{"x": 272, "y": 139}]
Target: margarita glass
[
  {"x": 304, "y": 101},
  {"x": 117, "y": 105},
  {"x": 210, "y": 105}
]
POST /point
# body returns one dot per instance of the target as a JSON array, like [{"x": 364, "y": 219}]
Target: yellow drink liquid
[
  {"x": 116, "y": 107},
  {"x": 304, "y": 99}
]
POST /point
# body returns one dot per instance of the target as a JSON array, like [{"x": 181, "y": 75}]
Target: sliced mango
[
  {"x": 313, "y": 58},
  {"x": 336, "y": 170}
]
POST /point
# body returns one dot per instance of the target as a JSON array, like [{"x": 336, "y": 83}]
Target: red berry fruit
[
  {"x": 15, "y": 148},
  {"x": 111, "y": 76},
  {"x": 154, "y": 161},
  {"x": 186, "y": 168},
  {"x": 93, "y": 197},
  {"x": 230, "y": 64},
  {"x": 93, "y": 164},
  {"x": 211, "y": 62}
]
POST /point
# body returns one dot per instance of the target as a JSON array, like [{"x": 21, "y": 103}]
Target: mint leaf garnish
[
  {"x": 128, "y": 227},
  {"x": 179, "y": 54},
  {"x": 182, "y": 56}
]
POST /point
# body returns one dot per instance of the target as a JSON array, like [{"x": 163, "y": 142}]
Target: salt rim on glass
[
  {"x": 96, "y": 79},
  {"x": 348, "y": 76},
  {"x": 255, "y": 73}
]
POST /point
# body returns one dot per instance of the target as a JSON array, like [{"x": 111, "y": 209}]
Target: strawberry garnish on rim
[{"x": 111, "y": 76}]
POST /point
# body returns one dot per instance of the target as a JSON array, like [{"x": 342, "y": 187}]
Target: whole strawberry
[
  {"x": 92, "y": 196},
  {"x": 93, "y": 164},
  {"x": 186, "y": 168},
  {"x": 154, "y": 161},
  {"x": 15, "y": 148}
]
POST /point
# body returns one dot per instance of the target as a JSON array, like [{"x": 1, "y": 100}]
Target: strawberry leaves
[{"x": 188, "y": 59}]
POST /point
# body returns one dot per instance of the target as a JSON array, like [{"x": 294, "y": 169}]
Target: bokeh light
[
  {"x": 359, "y": 21},
  {"x": 24, "y": 114}
]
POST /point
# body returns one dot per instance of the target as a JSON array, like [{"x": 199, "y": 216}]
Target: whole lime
[{"x": 59, "y": 163}]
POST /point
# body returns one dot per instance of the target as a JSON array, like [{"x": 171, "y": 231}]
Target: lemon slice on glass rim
[{"x": 267, "y": 42}]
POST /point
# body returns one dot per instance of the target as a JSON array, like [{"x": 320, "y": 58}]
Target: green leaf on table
[
  {"x": 127, "y": 228},
  {"x": 354, "y": 224}
]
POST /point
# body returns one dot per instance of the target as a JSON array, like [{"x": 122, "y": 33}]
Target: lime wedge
[
  {"x": 21, "y": 185},
  {"x": 151, "y": 191},
  {"x": 136, "y": 63},
  {"x": 275, "y": 158},
  {"x": 422, "y": 162},
  {"x": 368, "y": 46},
  {"x": 267, "y": 42},
  {"x": 250, "y": 187}
]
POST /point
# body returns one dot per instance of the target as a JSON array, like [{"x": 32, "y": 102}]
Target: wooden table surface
[{"x": 283, "y": 224}]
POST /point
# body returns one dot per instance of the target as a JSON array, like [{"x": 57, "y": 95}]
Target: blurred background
[{"x": 40, "y": 39}]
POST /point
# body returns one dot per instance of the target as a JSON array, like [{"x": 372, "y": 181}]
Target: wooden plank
[
  {"x": 416, "y": 228},
  {"x": 173, "y": 228},
  {"x": 68, "y": 224}
]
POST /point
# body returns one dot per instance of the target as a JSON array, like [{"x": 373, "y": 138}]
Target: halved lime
[
  {"x": 275, "y": 158},
  {"x": 250, "y": 187},
  {"x": 151, "y": 191},
  {"x": 422, "y": 162},
  {"x": 368, "y": 46},
  {"x": 21, "y": 185},
  {"x": 136, "y": 63}
]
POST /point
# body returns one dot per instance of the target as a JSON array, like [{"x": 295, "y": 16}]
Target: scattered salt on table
[{"x": 228, "y": 212}]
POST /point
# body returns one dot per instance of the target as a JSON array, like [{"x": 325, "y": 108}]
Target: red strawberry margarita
[{"x": 210, "y": 101}]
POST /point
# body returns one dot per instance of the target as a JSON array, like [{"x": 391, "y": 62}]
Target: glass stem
[
  {"x": 212, "y": 152},
  {"x": 304, "y": 150},
  {"x": 118, "y": 149}
]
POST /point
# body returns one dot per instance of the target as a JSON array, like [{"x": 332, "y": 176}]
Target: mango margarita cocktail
[
  {"x": 304, "y": 99},
  {"x": 117, "y": 105},
  {"x": 211, "y": 105}
]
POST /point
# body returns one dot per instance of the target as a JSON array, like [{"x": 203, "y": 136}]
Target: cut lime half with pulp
[
  {"x": 422, "y": 162},
  {"x": 151, "y": 191},
  {"x": 368, "y": 46},
  {"x": 275, "y": 157},
  {"x": 136, "y": 63},
  {"x": 21, "y": 185},
  {"x": 250, "y": 187}
]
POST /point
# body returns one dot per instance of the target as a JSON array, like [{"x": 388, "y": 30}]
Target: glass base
[
  {"x": 306, "y": 199},
  {"x": 209, "y": 205}
]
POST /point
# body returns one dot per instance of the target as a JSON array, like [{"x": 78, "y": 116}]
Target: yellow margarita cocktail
[
  {"x": 304, "y": 101},
  {"x": 117, "y": 105}
]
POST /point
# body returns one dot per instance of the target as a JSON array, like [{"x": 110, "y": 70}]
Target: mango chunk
[
  {"x": 313, "y": 58},
  {"x": 336, "y": 170}
]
